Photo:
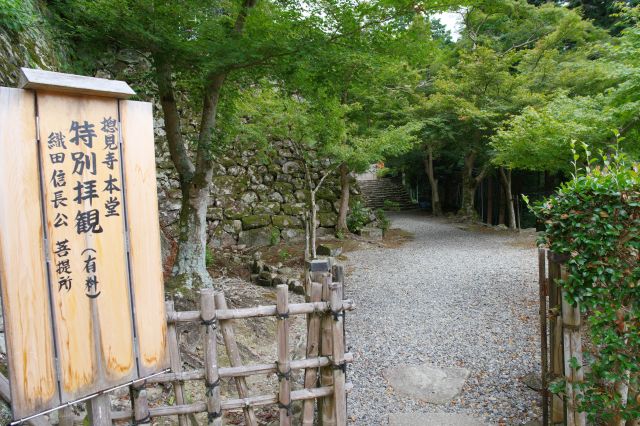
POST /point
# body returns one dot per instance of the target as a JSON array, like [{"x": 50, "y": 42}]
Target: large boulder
[{"x": 259, "y": 237}]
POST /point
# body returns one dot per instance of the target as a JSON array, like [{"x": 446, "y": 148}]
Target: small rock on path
[{"x": 451, "y": 297}]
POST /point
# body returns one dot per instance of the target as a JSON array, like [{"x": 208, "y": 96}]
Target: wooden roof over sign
[{"x": 70, "y": 83}]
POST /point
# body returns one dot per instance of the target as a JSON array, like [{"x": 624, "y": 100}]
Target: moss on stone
[
  {"x": 297, "y": 209},
  {"x": 327, "y": 219},
  {"x": 255, "y": 221},
  {"x": 285, "y": 221}
]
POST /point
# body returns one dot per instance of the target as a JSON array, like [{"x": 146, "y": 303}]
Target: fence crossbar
[
  {"x": 259, "y": 311},
  {"x": 231, "y": 404}
]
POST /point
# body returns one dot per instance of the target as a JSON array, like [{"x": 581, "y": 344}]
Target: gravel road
[{"x": 452, "y": 298}]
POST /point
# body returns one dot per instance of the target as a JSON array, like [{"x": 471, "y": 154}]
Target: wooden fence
[
  {"x": 561, "y": 342},
  {"x": 324, "y": 366}
]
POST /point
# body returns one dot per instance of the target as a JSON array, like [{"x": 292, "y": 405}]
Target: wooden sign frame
[{"x": 83, "y": 300}]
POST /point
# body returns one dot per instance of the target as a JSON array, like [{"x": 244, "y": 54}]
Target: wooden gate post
[
  {"x": 212, "y": 378},
  {"x": 572, "y": 351},
  {"x": 313, "y": 350},
  {"x": 326, "y": 405},
  {"x": 66, "y": 417},
  {"x": 140, "y": 404},
  {"x": 99, "y": 410},
  {"x": 339, "y": 364},
  {"x": 284, "y": 365},
  {"x": 556, "y": 367},
  {"x": 544, "y": 349}
]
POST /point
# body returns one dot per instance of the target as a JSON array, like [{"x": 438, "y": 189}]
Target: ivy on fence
[{"x": 594, "y": 220}]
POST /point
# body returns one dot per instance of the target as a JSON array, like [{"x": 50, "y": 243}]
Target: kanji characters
[
  {"x": 82, "y": 133},
  {"x": 56, "y": 140},
  {"x": 88, "y": 222},
  {"x": 86, "y": 191}
]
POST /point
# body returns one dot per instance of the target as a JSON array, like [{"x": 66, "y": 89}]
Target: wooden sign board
[{"x": 80, "y": 266}]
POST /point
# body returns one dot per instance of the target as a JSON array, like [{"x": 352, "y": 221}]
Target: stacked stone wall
[{"x": 255, "y": 200}]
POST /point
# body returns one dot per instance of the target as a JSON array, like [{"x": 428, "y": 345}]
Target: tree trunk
[
  {"x": 345, "y": 185},
  {"x": 190, "y": 268},
  {"x": 436, "y": 208},
  {"x": 469, "y": 186},
  {"x": 490, "y": 201},
  {"x": 506, "y": 183},
  {"x": 314, "y": 221},
  {"x": 502, "y": 207},
  {"x": 190, "y": 265}
]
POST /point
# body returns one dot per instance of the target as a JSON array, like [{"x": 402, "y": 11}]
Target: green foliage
[
  {"x": 16, "y": 15},
  {"x": 209, "y": 258},
  {"x": 594, "y": 219},
  {"x": 384, "y": 222},
  {"x": 284, "y": 255},
  {"x": 391, "y": 205},
  {"x": 340, "y": 234},
  {"x": 358, "y": 217},
  {"x": 592, "y": 90},
  {"x": 274, "y": 238}
]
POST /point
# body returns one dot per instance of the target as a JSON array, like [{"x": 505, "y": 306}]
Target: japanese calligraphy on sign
[{"x": 79, "y": 245}]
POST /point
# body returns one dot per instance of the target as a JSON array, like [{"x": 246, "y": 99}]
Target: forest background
[{"x": 472, "y": 123}]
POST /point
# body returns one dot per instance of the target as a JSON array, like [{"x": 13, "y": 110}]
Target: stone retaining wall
[{"x": 256, "y": 200}]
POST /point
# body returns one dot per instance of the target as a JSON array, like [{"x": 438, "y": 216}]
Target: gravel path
[{"x": 452, "y": 298}]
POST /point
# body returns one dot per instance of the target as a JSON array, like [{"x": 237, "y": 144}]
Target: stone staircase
[{"x": 375, "y": 192}]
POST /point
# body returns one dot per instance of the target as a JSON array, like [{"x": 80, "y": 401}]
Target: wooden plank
[
  {"x": 76, "y": 84},
  {"x": 231, "y": 345},
  {"x": 144, "y": 235},
  {"x": 26, "y": 308},
  {"x": 93, "y": 322}
]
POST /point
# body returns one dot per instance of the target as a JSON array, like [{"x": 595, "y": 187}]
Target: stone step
[{"x": 376, "y": 192}]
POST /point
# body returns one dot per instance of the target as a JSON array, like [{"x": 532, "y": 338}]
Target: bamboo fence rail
[{"x": 324, "y": 366}]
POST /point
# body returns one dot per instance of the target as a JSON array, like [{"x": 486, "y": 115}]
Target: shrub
[
  {"x": 594, "y": 219},
  {"x": 391, "y": 205},
  {"x": 209, "y": 257},
  {"x": 358, "y": 217},
  {"x": 383, "y": 221},
  {"x": 274, "y": 238}
]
